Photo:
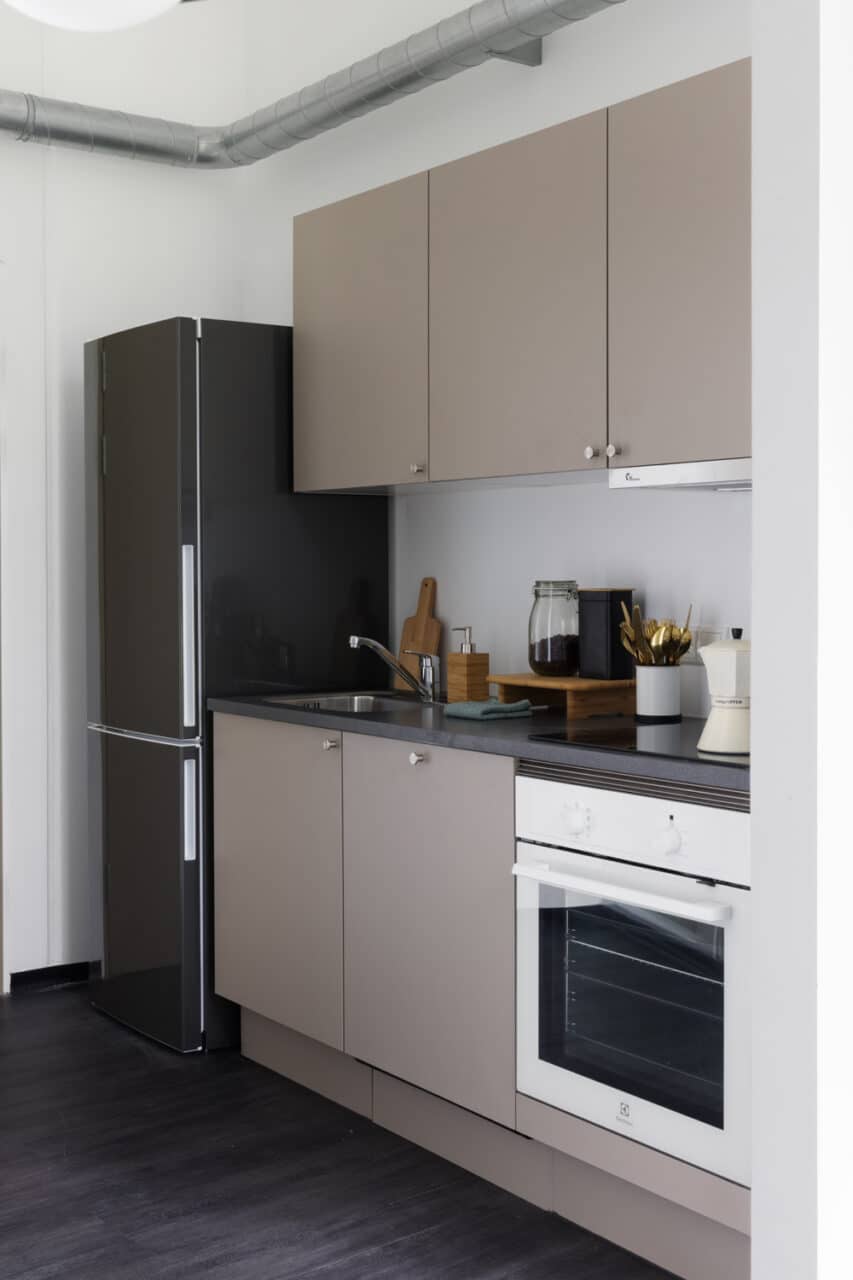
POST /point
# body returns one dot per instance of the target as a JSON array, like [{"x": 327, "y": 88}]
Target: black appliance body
[
  {"x": 602, "y": 655},
  {"x": 207, "y": 577}
]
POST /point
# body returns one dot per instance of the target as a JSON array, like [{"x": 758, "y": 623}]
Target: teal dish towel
[{"x": 491, "y": 710}]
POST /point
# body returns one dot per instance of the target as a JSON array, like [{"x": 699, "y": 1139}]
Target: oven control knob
[
  {"x": 575, "y": 819},
  {"x": 669, "y": 841}
]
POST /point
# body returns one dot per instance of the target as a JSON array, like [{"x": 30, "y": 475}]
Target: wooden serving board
[
  {"x": 580, "y": 699},
  {"x": 421, "y": 632}
]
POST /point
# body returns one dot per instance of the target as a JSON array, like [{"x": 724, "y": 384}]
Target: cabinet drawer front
[
  {"x": 429, "y": 919},
  {"x": 277, "y": 873}
]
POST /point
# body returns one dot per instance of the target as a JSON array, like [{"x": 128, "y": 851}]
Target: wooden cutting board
[{"x": 422, "y": 631}]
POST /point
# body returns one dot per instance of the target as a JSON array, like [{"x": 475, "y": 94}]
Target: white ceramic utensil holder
[{"x": 658, "y": 695}]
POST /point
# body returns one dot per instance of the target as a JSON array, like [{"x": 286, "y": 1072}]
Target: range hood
[{"x": 729, "y": 475}]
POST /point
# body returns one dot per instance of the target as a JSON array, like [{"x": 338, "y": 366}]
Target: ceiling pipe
[{"x": 511, "y": 29}]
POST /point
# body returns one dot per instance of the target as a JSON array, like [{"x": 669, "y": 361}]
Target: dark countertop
[{"x": 611, "y": 743}]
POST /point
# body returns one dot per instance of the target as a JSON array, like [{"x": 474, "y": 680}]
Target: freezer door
[
  {"x": 149, "y": 511},
  {"x": 152, "y": 919}
]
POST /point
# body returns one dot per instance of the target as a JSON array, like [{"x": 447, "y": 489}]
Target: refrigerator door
[
  {"x": 152, "y": 886},
  {"x": 149, "y": 511}
]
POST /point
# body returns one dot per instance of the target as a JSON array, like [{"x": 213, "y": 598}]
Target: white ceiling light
[{"x": 93, "y": 15}]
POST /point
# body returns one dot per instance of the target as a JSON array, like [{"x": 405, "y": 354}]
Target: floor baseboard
[{"x": 54, "y": 975}]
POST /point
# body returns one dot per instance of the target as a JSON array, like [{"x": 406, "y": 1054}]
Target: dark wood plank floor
[{"x": 122, "y": 1161}]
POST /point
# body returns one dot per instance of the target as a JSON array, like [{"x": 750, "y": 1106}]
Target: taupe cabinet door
[
  {"x": 277, "y": 873},
  {"x": 360, "y": 340},
  {"x": 680, "y": 271},
  {"x": 429, "y": 919},
  {"x": 518, "y": 306}
]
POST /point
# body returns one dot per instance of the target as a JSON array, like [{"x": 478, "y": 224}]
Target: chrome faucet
[{"x": 427, "y": 688}]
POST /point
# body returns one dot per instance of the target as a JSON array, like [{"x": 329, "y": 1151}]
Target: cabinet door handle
[
  {"x": 330, "y": 744},
  {"x": 613, "y": 450},
  {"x": 417, "y": 469},
  {"x": 416, "y": 757},
  {"x": 589, "y": 453}
]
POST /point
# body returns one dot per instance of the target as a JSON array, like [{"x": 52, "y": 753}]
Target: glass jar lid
[{"x": 555, "y": 587}]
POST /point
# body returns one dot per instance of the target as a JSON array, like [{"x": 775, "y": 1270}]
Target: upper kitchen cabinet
[
  {"x": 518, "y": 306},
  {"x": 679, "y": 279},
  {"x": 361, "y": 330}
]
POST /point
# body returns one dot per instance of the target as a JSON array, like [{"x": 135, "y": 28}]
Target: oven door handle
[{"x": 708, "y": 912}]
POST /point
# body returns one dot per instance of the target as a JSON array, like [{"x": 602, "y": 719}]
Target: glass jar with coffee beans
[{"x": 553, "y": 646}]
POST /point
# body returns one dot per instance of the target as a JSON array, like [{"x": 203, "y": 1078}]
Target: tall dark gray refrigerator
[{"x": 208, "y": 577}]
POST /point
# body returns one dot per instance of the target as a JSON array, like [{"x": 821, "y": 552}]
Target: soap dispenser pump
[{"x": 467, "y": 671}]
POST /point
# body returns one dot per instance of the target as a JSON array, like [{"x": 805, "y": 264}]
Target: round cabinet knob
[
  {"x": 575, "y": 819},
  {"x": 330, "y": 744},
  {"x": 416, "y": 758},
  {"x": 589, "y": 453},
  {"x": 669, "y": 842},
  {"x": 417, "y": 469},
  {"x": 613, "y": 450}
]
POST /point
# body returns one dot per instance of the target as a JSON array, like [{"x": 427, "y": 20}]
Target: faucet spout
[{"x": 364, "y": 642}]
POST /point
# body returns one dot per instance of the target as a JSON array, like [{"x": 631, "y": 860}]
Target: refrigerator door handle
[
  {"x": 188, "y": 636},
  {"x": 109, "y": 731},
  {"x": 190, "y": 804}
]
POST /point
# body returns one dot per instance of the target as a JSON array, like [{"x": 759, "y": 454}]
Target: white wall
[
  {"x": 803, "y": 533},
  {"x": 90, "y": 245},
  {"x": 784, "y": 780},
  {"x": 487, "y": 545},
  {"x": 834, "y": 887},
  {"x": 23, "y": 603}
]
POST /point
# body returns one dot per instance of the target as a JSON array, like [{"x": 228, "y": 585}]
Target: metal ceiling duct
[{"x": 510, "y": 29}]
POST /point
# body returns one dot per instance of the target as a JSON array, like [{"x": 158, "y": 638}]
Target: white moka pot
[
  {"x": 658, "y": 695},
  {"x": 726, "y": 731}
]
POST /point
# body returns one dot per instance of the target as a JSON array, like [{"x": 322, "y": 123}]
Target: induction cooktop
[{"x": 623, "y": 734}]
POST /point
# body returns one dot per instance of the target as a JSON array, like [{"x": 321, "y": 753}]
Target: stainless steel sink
[{"x": 348, "y": 703}]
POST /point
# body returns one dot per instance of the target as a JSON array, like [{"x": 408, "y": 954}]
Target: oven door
[{"x": 633, "y": 1003}]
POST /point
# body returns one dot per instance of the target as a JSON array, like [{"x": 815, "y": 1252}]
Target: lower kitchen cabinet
[
  {"x": 278, "y": 914},
  {"x": 429, "y": 919}
]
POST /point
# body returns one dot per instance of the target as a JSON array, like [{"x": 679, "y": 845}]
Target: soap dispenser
[{"x": 467, "y": 671}]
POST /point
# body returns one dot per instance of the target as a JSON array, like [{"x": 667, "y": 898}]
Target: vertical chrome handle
[
  {"x": 188, "y": 643},
  {"x": 190, "y": 805},
  {"x": 330, "y": 744}
]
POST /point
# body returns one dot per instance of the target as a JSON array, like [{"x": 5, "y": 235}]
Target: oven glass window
[{"x": 633, "y": 999}]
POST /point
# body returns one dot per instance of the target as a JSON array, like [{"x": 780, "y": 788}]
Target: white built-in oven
[{"x": 633, "y": 941}]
